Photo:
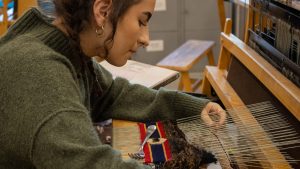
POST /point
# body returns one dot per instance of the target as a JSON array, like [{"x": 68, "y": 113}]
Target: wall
[{"x": 181, "y": 20}]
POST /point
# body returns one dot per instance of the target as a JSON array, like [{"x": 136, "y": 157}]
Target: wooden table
[{"x": 126, "y": 137}]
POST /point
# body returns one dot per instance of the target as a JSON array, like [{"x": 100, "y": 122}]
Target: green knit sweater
[{"x": 50, "y": 96}]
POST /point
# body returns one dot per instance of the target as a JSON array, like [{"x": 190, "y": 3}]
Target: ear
[{"x": 101, "y": 8}]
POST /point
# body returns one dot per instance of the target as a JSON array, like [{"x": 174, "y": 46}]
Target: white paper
[
  {"x": 161, "y": 5},
  {"x": 140, "y": 73}
]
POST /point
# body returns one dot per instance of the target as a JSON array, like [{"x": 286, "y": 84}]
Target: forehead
[{"x": 143, "y": 6}]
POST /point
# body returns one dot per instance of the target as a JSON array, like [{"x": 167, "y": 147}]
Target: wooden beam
[{"x": 281, "y": 87}]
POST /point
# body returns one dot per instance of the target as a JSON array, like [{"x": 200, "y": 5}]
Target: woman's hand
[{"x": 213, "y": 109}]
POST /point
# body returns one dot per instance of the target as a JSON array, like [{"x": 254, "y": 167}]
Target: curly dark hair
[{"x": 77, "y": 14}]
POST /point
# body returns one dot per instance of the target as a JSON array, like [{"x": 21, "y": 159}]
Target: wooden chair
[
  {"x": 24, "y": 5},
  {"x": 185, "y": 57},
  {"x": 4, "y": 22},
  {"x": 222, "y": 15}
]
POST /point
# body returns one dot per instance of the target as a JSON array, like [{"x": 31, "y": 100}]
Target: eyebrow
[{"x": 148, "y": 14}]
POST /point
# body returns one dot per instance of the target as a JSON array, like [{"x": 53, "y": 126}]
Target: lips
[{"x": 133, "y": 51}]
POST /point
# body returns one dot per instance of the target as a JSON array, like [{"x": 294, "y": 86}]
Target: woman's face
[{"x": 131, "y": 33}]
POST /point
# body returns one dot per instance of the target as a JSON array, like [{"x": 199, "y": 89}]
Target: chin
[{"x": 118, "y": 63}]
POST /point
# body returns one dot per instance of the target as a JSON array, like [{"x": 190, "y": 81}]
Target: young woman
[{"x": 51, "y": 90}]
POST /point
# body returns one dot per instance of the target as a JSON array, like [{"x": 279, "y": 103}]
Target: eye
[{"x": 141, "y": 23}]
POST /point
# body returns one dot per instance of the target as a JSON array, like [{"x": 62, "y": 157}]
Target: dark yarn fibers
[{"x": 184, "y": 154}]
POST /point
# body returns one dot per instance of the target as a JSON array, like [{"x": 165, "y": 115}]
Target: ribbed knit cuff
[{"x": 187, "y": 105}]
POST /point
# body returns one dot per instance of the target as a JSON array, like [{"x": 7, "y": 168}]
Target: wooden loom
[
  {"x": 232, "y": 144},
  {"x": 243, "y": 77},
  {"x": 222, "y": 79},
  {"x": 237, "y": 64}
]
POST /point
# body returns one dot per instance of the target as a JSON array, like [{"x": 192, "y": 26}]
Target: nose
[{"x": 144, "y": 37}]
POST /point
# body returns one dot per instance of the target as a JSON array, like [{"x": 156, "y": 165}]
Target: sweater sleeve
[
  {"x": 67, "y": 140},
  {"x": 122, "y": 100},
  {"x": 47, "y": 126}
]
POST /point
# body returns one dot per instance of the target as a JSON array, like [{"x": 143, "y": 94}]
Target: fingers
[
  {"x": 206, "y": 118},
  {"x": 220, "y": 112},
  {"x": 222, "y": 117},
  {"x": 213, "y": 109}
]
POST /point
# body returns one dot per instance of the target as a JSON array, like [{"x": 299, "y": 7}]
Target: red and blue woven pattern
[{"x": 156, "y": 152}]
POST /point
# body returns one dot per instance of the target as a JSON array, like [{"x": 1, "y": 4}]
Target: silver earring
[{"x": 100, "y": 31}]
